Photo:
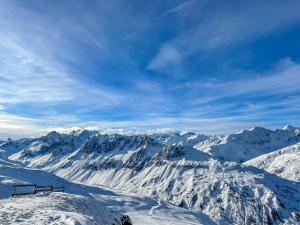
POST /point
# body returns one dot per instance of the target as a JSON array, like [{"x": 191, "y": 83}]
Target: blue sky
[{"x": 208, "y": 66}]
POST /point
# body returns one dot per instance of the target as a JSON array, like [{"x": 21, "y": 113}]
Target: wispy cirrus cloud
[
  {"x": 224, "y": 24},
  {"x": 259, "y": 98},
  {"x": 179, "y": 7},
  {"x": 283, "y": 78},
  {"x": 31, "y": 70}
]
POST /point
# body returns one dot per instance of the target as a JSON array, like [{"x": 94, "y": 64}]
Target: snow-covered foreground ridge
[
  {"x": 187, "y": 170},
  {"x": 76, "y": 206}
]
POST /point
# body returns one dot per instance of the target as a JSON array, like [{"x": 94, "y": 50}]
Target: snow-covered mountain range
[
  {"x": 193, "y": 171},
  {"x": 248, "y": 144}
]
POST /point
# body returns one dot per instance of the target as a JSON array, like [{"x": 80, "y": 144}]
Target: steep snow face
[
  {"x": 177, "y": 173},
  {"x": 249, "y": 144},
  {"x": 227, "y": 193},
  {"x": 284, "y": 162}
]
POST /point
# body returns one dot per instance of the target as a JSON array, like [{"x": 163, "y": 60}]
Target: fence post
[
  {"x": 35, "y": 188},
  {"x": 51, "y": 188},
  {"x": 14, "y": 187}
]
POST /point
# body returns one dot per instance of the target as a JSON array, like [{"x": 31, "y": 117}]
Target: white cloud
[
  {"x": 167, "y": 124},
  {"x": 167, "y": 55},
  {"x": 18, "y": 126}
]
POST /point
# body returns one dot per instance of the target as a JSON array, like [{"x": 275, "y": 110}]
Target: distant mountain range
[{"x": 215, "y": 175}]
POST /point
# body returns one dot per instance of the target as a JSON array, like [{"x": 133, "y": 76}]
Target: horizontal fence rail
[
  {"x": 58, "y": 189},
  {"x": 36, "y": 188}
]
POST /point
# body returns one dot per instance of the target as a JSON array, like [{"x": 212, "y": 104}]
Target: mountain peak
[
  {"x": 257, "y": 129},
  {"x": 288, "y": 127}
]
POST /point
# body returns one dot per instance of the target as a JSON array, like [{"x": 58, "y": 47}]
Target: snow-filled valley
[{"x": 169, "y": 178}]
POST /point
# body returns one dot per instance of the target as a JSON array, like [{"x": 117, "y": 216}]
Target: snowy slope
[
  {"x": 284, "y": 162},
  {"x": 58, "y": 208},
  {"x": 249, "y": 144},
  {"x": 150, "y": 211},
  {"x": 225, "y": 191},
  {"x": 54, "y": 208},
  {"x": 82, "y": 204}
]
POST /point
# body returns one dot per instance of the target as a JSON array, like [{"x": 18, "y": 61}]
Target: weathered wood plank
[{"x": 24, "y": 185}]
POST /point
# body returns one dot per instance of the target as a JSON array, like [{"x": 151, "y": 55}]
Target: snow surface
[
  {"x": 284, "y": 162},
  {"x": 56, "y": 208},
  {"x": 82, "y": 204},
  {"x": 174, "y": 172}
]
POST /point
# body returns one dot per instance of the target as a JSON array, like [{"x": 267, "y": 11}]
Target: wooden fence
[{"x": 36, "y": 188}]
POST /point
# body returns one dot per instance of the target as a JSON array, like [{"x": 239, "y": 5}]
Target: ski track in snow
[
  {"x": 152, "y": 210},
  {"x": 148, "y": 211}
]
